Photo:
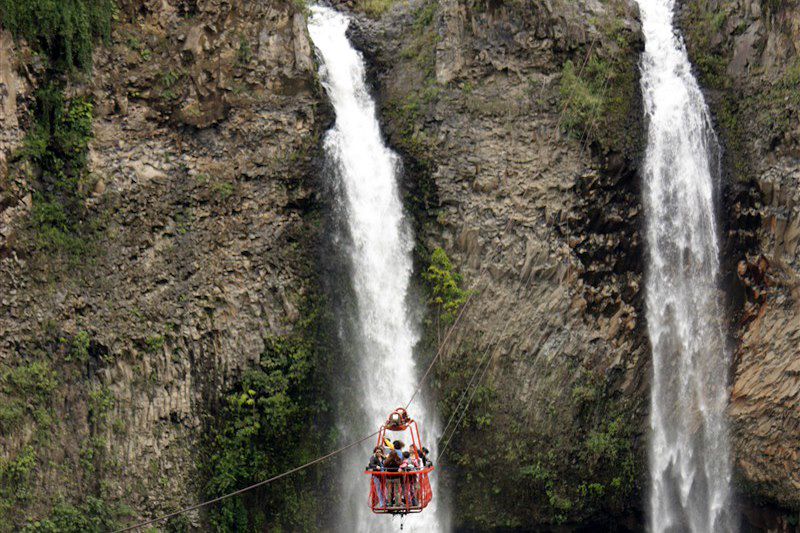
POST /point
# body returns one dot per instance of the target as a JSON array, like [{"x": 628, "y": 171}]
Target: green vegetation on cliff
[
  {"x": 600, "y": 92},
  {"x": 739, "y": 111},
  {"x": 406, "y": 112},
  {"x": 33, "y": 417},
  {"x": 263, "y": 429},
  {"x": 92, "y": 516},
  {"x": 63, "y": 30},
  {"x": 582, "y": 473},
  {"x": 444, "y": 285},
  {"x": 15, "y": 480},
  {"x": 546, "y": 474},
  {"x": 57, "y": 145},
  {"x": 374, "y": 8},
  {"x": 59, "y": 383},
  {"x": 710, "y": 63},
  {"x": 55, "y": 150}
]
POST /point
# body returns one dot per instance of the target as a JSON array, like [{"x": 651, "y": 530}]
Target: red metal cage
[{"x": 400, "y": 492}]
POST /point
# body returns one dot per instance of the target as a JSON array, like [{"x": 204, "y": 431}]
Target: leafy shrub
[
  {"x": 26, "y": 390},
  {"x": 64, "y": 30},
  {"x": 223, "y": 189},
  {"x": 64, "y": 33},
  {"x": 11, "y": 413},
  {"x": 261, "y": 433},
  {"x": 584, "y": 101},
  {"x": 608, "y": 474},
  {"x": 600, "y": 100},
  {"x": 93, "y": 516},
  {"x": 55, "y": 230},
  {"x": 79, "y": 347},
  {"x": 374, "y": 8},
  {"x": 154, "y": 343},
  {"x": 34, "y": 380},
  {"x": 15, "y": 476},
  {"x": 57, "y": 144},
  {"x": 446, "y": 294},
  {"x": 101, "y": 401}
]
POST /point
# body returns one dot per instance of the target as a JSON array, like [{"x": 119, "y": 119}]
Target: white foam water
[
  {"x": 690, "y": 465},
  {"x": 379, "y": 253}
]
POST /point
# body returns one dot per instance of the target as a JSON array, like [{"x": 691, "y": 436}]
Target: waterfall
[
  {"x": 690, "y": 468},
  {"x": 379, "y": 249}
]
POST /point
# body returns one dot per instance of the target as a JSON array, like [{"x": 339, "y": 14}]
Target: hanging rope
[
  {"x": 428, "y": 370},
  {"x": 569, "y": 100},
  {"x": 439, "y": 352},
  {"x": 508, "y": 225},
  {"x": 471, "y": 396},
  {"x": 443, "y": 345},
  {"x": 343, "y": 448},
  {"x": 492, "y": 342},
  {"x": 245, "y": 489},
  {"x": 527, "y": 281}
]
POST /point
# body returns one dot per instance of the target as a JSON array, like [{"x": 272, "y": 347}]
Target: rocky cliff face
[
  {"x": 520, "y": 161},
  {"x": 199, "y": 187},
  {"x": 129, "y": 346},
  {"x": 486, "y": 101},
  {"x": 748, "y": 58}
]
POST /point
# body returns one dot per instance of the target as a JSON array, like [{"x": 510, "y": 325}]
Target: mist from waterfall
[
  {"x": 690, "y": 465},
  {"x": 378, "y": 250}
]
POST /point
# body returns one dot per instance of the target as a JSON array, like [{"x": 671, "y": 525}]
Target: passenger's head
[
  {"x": 398, "y": 445},
  {"x": 378, "y": 450},
  {"x": 406, "y": 455},
  {"x": 741, "y": 268},
  {"x": 425, "y": 450}
]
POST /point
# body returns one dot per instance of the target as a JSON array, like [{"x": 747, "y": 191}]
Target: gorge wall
[
  {"x": 522, "y": 129},
  {"x": 544, "y": 227},
  {"x": 125, "y": 346},
  {"x": 145, "y": 350}
]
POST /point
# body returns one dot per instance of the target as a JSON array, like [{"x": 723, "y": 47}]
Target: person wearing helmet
[{"x": 395, "y": 421}]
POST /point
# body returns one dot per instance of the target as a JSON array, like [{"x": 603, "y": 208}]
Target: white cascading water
[
  {"x": 380, "y": 263},
  {"x": 690, "y": 466}
]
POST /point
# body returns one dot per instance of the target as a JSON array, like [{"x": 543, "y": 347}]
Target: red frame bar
[{"x": 422, "y": 492}]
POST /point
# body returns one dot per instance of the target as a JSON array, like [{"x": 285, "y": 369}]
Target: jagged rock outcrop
[
  {"x": 14, "y": 199},
  {"x": 748, "y": 58}
]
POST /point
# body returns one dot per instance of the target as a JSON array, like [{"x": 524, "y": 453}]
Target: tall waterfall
[
  {"x": 379, "y": 252},
  {"x": 690, "y": 467}
]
